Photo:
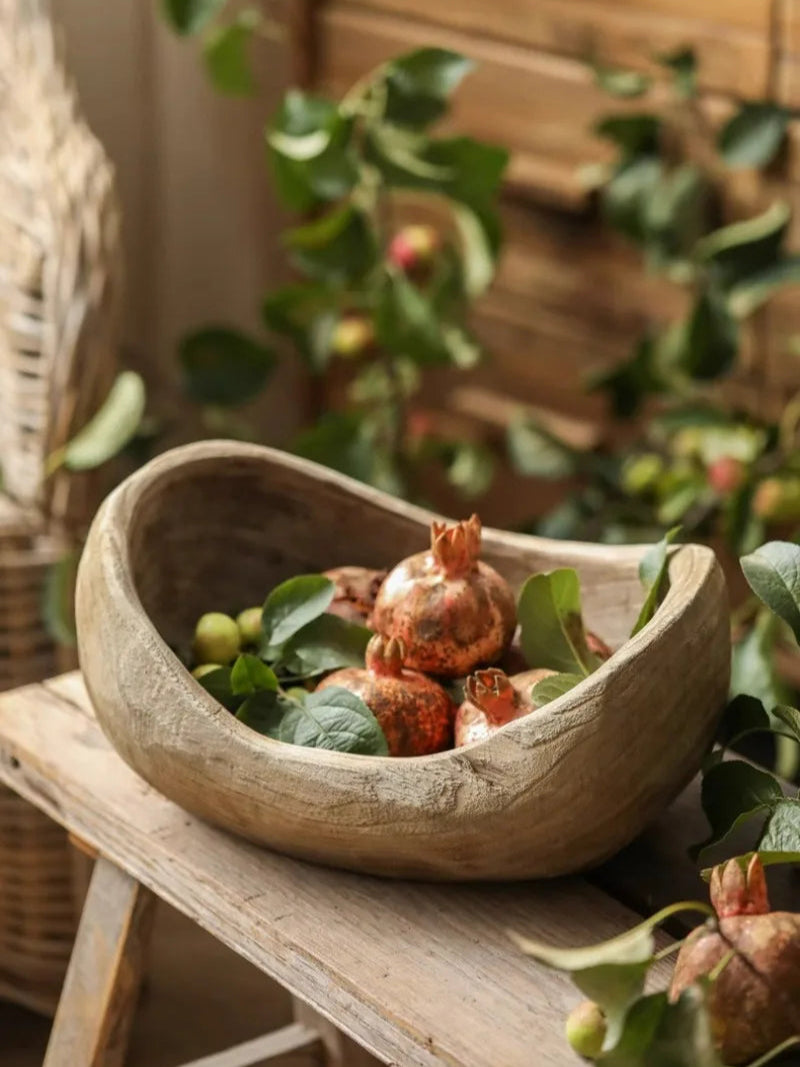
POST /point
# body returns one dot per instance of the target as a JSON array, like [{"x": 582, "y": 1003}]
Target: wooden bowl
[{"x": 220, "y": 523}]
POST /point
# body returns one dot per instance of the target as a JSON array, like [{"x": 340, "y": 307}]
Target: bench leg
[
  {"x": 93, "y": 1020},
  {"x": 340, "y": 1050}
]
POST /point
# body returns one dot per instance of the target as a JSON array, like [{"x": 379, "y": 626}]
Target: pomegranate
[
  {"x": 754, "y": 1002},
  {"x": 726, "y": 474},
  {"x": 415, "y": 713},
  {"x": 352, "y": 337},
  {"x": 494, "y": 699},
  {"x": 452, "y": 612},
  {"x": 413, "y": 248},
  {"x": 355, "y": 591}
]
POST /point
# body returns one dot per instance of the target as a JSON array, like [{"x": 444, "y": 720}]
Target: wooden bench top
[{"x": 418, "y": 974}]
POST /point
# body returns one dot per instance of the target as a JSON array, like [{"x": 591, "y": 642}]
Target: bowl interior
[{"x": 218, "y": 536}]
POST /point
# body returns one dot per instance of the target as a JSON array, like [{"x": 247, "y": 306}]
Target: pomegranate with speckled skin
[
  {"x": 415, "y": 713},
  {"x": 452, "y": 611},
  {"x": 754, "y": 1002},
  {"x": 355, "y": 590},
  {"x": 494, "y": 699}
]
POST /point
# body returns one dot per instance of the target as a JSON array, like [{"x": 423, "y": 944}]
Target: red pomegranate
[
  {"x": 494, "y": 699},
  {"x": 415, "y": 713},
  {"x": 355, "y": 590},
  {"x": 413, "y": 248},
  {"x": 452, "y": 612},
  {"x": 754, "y": 1002}
]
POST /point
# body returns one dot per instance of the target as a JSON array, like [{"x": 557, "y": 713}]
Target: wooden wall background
[{"x": 201, "y": 221}]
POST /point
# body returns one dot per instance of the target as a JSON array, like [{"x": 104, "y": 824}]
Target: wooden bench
[{"x": 415, "y": 974}]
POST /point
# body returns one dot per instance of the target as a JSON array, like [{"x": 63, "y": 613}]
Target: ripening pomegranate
[
  {"x": 452, "y": 612},
  {"x": 355, "y": 590},
  {"x": 415, "y": 713},
  {"x": 352, "y": 336},
  {"x": 726, "y": 474},
  {"x": 494, "y": 699},
  {"x": 754, "y": 1003},
  {"x": 413, "y": 248}
]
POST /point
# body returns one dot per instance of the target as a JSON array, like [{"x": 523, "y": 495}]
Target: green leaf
[
  {"x": 755, "y": 290},
  {"x": 744, "y": 715},
  {"x": 58, "y": 600},
  {"x": 307, "y": 314},
  {"x": 683, "y": 64},
  {"x": 250, "y": 675},
  {"x": 334, "y": 719},
  {"x": 734, "y": 792},
  {"x": 218, "y": 684},
  {"x": 224, "y": 367},
  {"x": 667, "y": 1034},
  {"x": 753, "y": 136},
  {"x": 339, "y": 440},
  {"x": 710, "y": 341},
  {"x": 406, "y": 322},
  {"x": 471, "y": 469},
  {"x": 773, "y": 573},
  {"x": 626, "y": 84},
  {"x": 548, "y": 689},
  {"x": 741, "y": 249},
  {"x": 613, "y": 972},
  {"x": 226, "y": 58},
  {"x": 653, "y": 574},
  {"x": 419, "y": 83},
  {"x": 338, "y": 248},
  {"x": 626, "y": 384},
  {"x": 625, "y": 196},
  {"x": 109, "y": 430},
  {"x": 753, "y": 668},
  {"x": 326, "y": 644},
  {"x": 536, "y": 453},
  {"x": 191, "y": 16},
  {"x": 790, "y": 717},
  {"x": 551, "y": 622},
  {"x": 635, "y": 135},
  {"x": 782, "y": 833},
  {"x": 676, "y": 211},
  {"x": 464, "y": 351},
  {"x": 481, "y": 238},
  {"x": 309, "y": 151},
  {"x": 293, "y": 604}
]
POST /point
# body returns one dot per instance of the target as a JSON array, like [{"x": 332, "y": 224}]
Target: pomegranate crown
[
  {"x": 455, "y": 549},
  {"x": 491, "y": 691},
  {"x": 734, "y": 892},
  {"x": 385, "y": 655}
]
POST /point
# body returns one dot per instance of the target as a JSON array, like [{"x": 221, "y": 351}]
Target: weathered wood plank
[
  {"x": 94, "y": 1016},
  {"x": 732, "y": 40},
  {"x": 418, "y": 974}
]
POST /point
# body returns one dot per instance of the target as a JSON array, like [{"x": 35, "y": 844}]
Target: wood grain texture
[
  {"x": 524, "y": 803},
  {"x": 732, "y": 40},
  {"x": 94, "y": 1016},
  {"x": 420, "y": 975}
]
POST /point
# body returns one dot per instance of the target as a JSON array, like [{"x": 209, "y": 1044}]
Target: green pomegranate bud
[
  {"x": 205, "y": 668},
  {"x": 352, "y": 336},
  {"x": 641, "y": 472},
  {"x": 586, "y": 1030},
  {"x": 777, "y": 499},
  {"x": 249, "y": 623},
  {"x": 216, "y": 639}
]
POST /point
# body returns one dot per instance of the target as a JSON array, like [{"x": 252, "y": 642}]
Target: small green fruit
[
  {"x": 640, "y": 473},
  {"x": 352, "y": 337},
  {"x": 206, "y": 668},
  {"x": 216, "y": 639},
  {"x": 249, "y": 623},
  {"x": 586, "y": 1030},
  {"x": 777, "y": 499}
]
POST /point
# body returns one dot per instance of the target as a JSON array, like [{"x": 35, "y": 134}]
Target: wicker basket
[{"x": 58, "y": 269}]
